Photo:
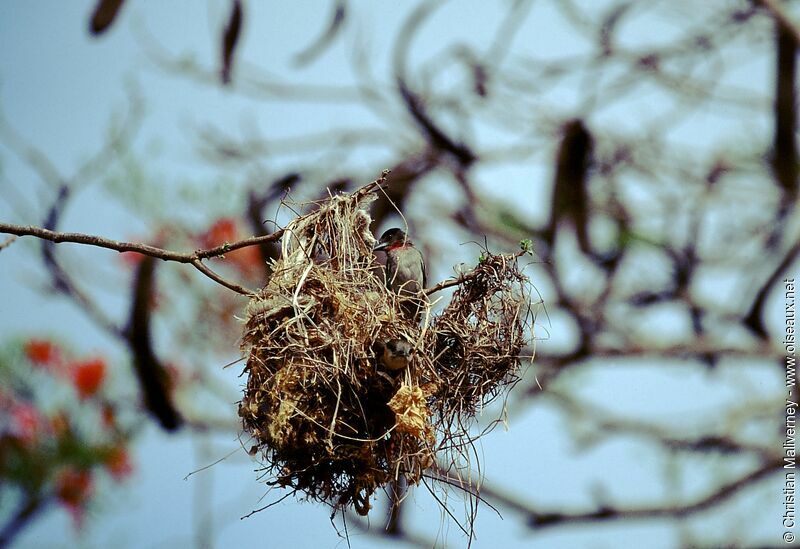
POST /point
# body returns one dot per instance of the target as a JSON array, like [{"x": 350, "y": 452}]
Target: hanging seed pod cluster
[{"x": 329, "y": 420}]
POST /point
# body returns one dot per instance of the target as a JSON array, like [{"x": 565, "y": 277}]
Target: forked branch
[{"x": 194, "y": 258}]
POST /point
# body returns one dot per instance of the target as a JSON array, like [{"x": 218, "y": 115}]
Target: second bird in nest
[{"x": 405, "y": 270}]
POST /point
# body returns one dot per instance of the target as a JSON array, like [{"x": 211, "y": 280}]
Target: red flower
[
  {"x": 73, "y": 489},
  {"x": 131, "y": 259},
  {"x": 41, "y": 352},
  {"x": 118, "y": 463},
  {"x": 26, "y": 422},
  {"x": 176, "y": 377},
  {"x": 247, "y": 260},
  {"x": 225, "y": 230},
  {"x": 88, "y": 376}
]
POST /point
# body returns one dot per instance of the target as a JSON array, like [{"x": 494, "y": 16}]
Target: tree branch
[
  {"x": 538, "y": 520},
  {"x": 60, "y": 278},
  {"x": 195, "y": 258},
  {"x": 26, "y": 512},
  {"x": 780, "y": 15},
  {"x": 144, "y": 249},
  {"x": 462, "y": 278},
  {"x": 197, "y": 264},
  {"x": 7, "y": 242}
]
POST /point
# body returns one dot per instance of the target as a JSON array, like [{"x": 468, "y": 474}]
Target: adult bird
[{"x": 405, "y": 270}]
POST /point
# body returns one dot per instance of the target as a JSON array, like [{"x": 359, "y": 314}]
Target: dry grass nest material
[{"x": 326, "y": 417}]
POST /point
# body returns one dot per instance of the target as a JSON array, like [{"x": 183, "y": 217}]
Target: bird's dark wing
[
  {"x": 424, "y": 272},
  {"x": 389, "y": 271}
]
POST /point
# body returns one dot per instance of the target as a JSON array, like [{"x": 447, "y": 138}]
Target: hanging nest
[{"x": 329, "y": 419}]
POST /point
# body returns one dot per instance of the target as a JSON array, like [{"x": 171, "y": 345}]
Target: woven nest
[{"x": 329, "y": 420}]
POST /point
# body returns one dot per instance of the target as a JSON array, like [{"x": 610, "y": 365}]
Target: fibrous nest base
[{"x": 329, "y": 419}]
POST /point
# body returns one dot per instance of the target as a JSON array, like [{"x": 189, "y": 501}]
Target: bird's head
[{"x": 391, "y": 239}]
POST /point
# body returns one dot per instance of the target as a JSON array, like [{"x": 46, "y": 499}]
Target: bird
[
  {"x": 405, "y": 270},
  {"x": 395, "y": 354}
]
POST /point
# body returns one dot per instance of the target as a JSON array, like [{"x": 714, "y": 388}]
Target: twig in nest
[{"x": 461, "y": 279}]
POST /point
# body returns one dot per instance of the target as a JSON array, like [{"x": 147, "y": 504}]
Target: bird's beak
[{"x": 379, "y": 246}]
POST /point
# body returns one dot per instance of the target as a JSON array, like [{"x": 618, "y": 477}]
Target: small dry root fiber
[{"x": 329, "y": 420}]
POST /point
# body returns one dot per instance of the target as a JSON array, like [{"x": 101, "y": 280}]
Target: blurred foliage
[{"x": 62, "y": 432}]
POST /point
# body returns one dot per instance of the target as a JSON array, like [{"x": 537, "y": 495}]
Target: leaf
[
  {"x": 150, "y": 373},
  {"x": 230, "y": 40},
  {"x": 104, "y": 14},
  {"x": 570, "y": 196}
]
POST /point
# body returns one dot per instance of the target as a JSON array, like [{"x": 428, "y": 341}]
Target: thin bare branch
[
  {"x": 193, "y": 258},
  {"x": 457, "y": 281},
  {"x": 144, "y": 249},
  {"x": 538, "y": 520},
  {"x": 26, "y": 512},
  {"x": 219, "y": 280},
  {"x": 60, "y": 278},
  {"x": 7, "y": 242}
]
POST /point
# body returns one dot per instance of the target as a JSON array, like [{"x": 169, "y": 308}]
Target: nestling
[{"x": 396, "y": 354}]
